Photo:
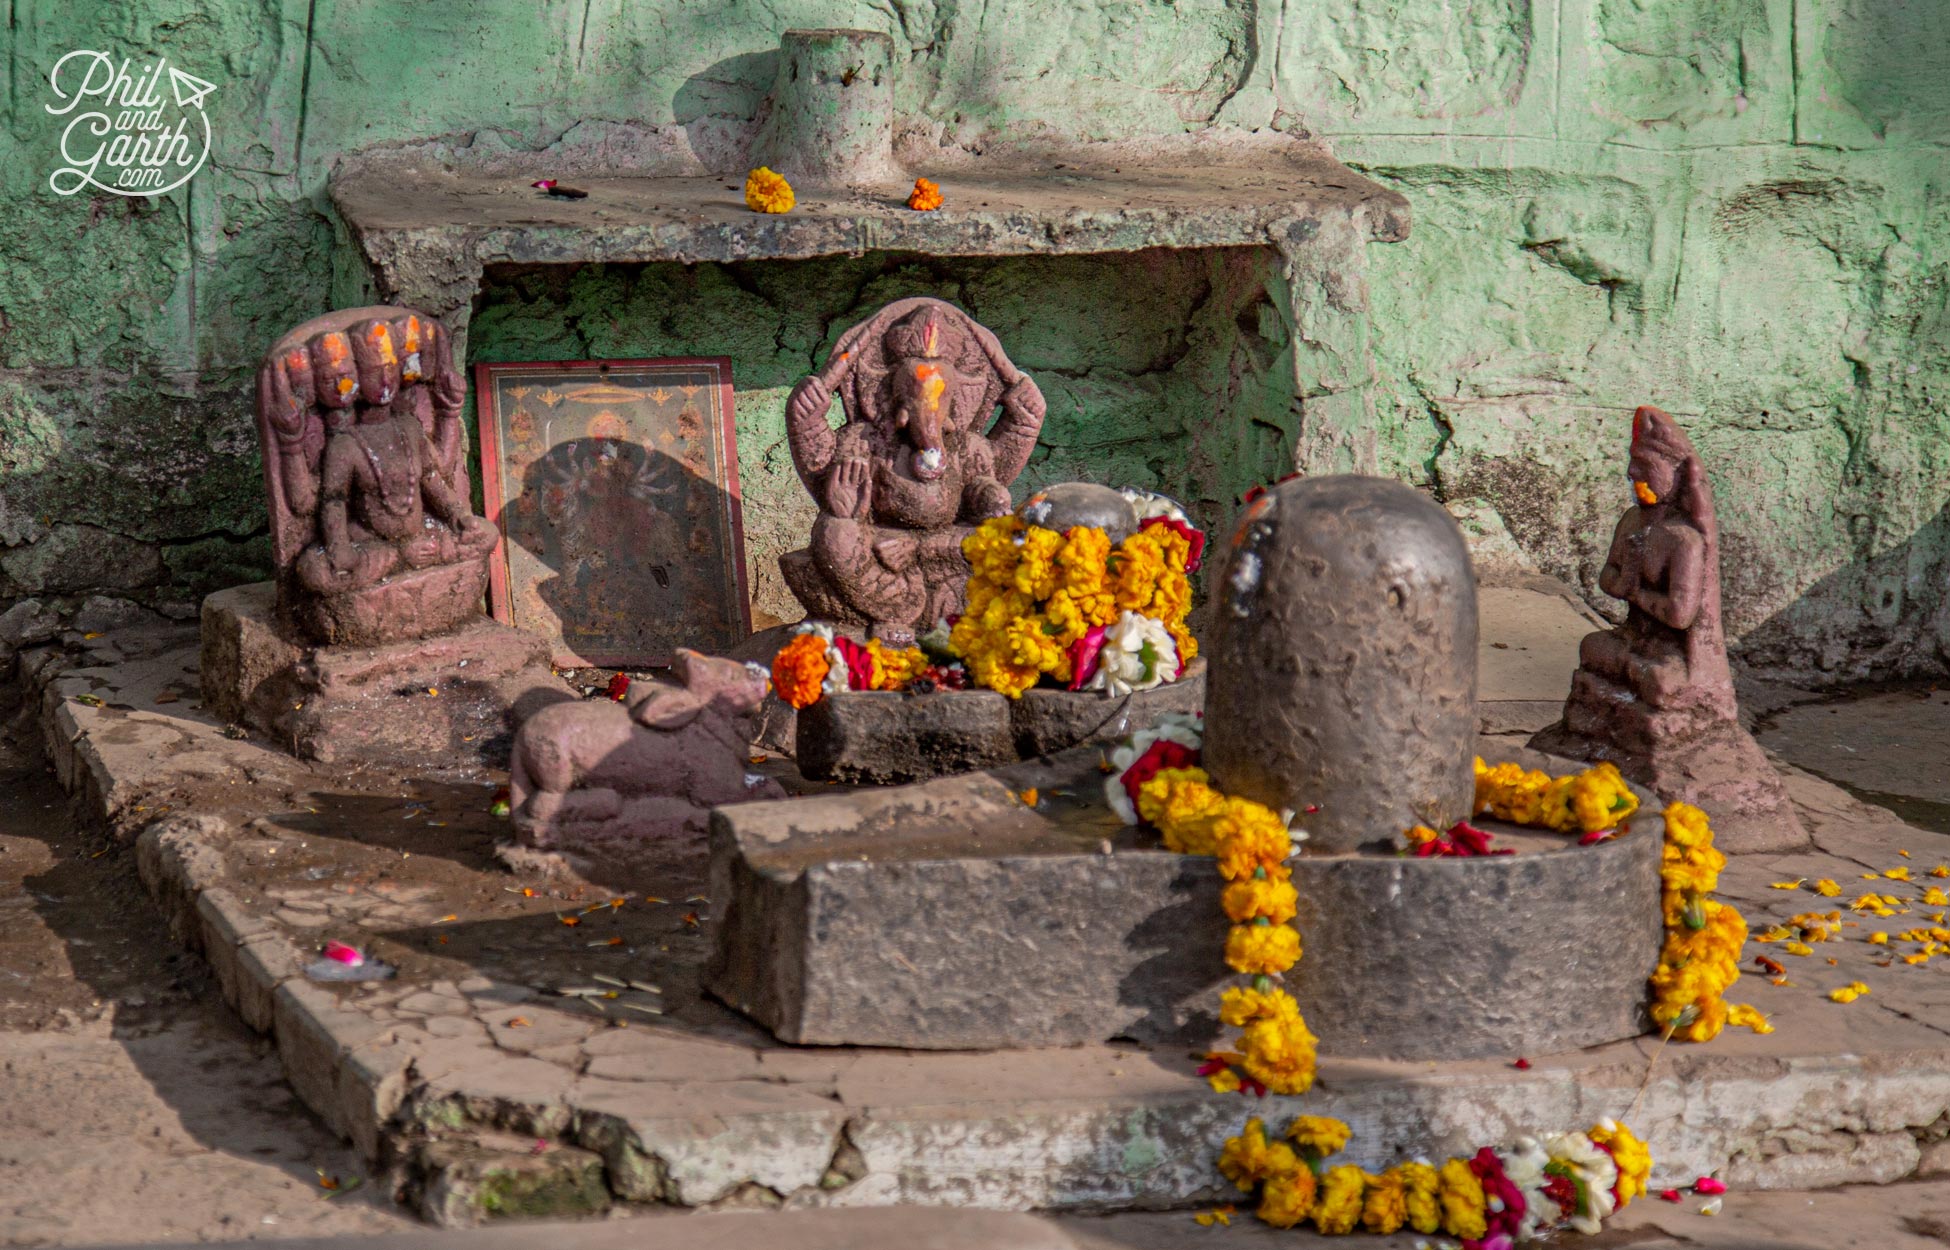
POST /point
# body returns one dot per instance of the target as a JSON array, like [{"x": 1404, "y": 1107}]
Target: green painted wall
[{"x": 1735, "y": 208}]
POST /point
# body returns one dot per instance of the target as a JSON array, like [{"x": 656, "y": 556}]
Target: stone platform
[
  {"x": 884, "y": 738},
  {"x": 456, "y": 696},
  {"x": 953, "y": 915},
  {"x": 448, "y": 1076}
]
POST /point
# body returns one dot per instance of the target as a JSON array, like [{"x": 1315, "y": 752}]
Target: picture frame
[{"x": 614, "y": 487}]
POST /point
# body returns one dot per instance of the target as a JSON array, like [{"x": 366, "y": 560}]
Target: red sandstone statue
[
  {"x": 594, "y": 778},
  {"x": 913, "y": 469},
  {"x": 366, "y": 467},
  {"x": 1655, "y": 695}
]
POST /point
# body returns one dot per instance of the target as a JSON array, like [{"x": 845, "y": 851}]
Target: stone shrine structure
[
  {"x": 1011, "y": 907},
  {"x": 1655, "y": 695},
  {"x": 371, "y": 641},
  {"x": 1344, "y": 661},
  {"x": 915, "y": 466}
]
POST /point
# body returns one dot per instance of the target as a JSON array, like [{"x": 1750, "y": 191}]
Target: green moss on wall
[{"x": 1734, "y": 208}]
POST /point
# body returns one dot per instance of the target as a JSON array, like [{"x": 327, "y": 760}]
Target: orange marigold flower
[
  {"x": 800, "y": 670},
  {"x": 767, "y": 192},
  {"x": 926, "y": 196}
]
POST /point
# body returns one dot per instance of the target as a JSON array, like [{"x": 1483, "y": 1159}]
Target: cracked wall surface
[{"x": 1733, "y": 208}]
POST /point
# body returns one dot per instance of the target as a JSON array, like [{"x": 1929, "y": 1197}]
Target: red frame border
[{"x": 500, "y": 599}]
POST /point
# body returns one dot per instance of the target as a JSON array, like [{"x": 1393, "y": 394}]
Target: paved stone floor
[{"x": 403, "y": 867}]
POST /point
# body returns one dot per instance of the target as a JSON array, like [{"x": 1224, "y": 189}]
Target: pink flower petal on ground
[
  {"x": 1669, "y": 1195},
  {"x": 344, "y": 954},
  {"x": 1708, "y": 1185}
]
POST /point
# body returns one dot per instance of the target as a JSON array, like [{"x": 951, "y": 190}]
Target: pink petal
[
  {"x": 1707, "y": 1185},
  {"x": 544, "y": 183},
  {"x": 344, "y": 954},
  {"x": 1669, "y": 1195},
  {"x": 1085, "y": 653}
]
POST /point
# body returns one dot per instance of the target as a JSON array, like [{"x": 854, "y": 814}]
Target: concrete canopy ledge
[{"x": 429, "y": 231}]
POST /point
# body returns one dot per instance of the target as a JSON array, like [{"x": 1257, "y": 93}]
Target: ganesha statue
[
  {"x": 365, "y": 463},
  {"x": 916, "y": 465}
]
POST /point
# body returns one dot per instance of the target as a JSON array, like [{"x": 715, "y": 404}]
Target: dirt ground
[{"x": 133, "y": 1105}]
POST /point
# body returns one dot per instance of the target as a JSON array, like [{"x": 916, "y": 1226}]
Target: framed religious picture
[{"x": 614, "y": 484}]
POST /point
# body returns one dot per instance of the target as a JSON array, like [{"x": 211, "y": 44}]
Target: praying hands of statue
[
  {"x": 1659, "y": 567},
  {"x": 849, "y": 489}
]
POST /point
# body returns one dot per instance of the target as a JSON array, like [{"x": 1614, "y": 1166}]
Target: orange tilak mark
[
  {"x": 335, "y": 348},
  {"x": 381, "y": 338},
  {"x": 1645, "y": 493},
  {"x": 298, "y": 359},
  {"x": 929, "y": 341},
  {"x": 412, "y": 334}
]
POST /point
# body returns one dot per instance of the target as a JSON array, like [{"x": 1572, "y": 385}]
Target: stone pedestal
[
  {"x": 1706, "y": 760},
  {"x": 830, "y": 117},
  {"x": 884, "y": 738},
  {"x": 948, "y": 915},
  {"x": 452, "y": 699}
]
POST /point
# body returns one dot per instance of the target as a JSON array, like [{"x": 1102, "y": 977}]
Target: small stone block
[
  {"x": 243, "y": 649},
  {"x": 466, "y": 1184},
  {"x": 882, "y": 737},
  {"x": 885, "y": 738}
]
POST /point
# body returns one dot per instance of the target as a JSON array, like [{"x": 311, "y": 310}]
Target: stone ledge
[{"x": 683, "y": 1119}]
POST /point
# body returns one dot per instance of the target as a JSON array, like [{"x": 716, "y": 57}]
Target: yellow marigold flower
[
  {"x": 1879, "y": 939},
  {"x": 1279, "y": 1054},
  {"x": 1251, "y": 898},
  {"x": 1420, "y": 834},
  {"x": 1337, "y": 1207},
  {"x": 1633, "y": 1158},
  {"x": 1687, "y": 826},
  {"x": 1933, "y": 896},
  {"x": 1385, "y": 1208},
  {"x": 767, "y": 192},
  {"x": 1709, "y": 1018},
  {"x": 1031, "y": 646},
  {"x": 1798, "y": 948},
  {"x": 1743, "y": 1016},
  {"x": 1941, "y": 870},
  {"x": 1323, "y": 1135},
  {"x": 1827, "y": 888},
  {"x": 1241, "y": 1005},
  {"x": 925, "y": 197},
  {"x": 1899, "y": 873},
  {"x": 1249, "y": 837},
  {"x": 1224, "y": 1081},
  {"x": 1249, "y": 1158},
  {"x": 1036, "y": 562},
  {"x": 1288, "y": 1199},
  {"x": 895, "y": 667},
  {"x": 1419, "y": 1186},
  {"x": 1262, "y": 948},
  {"x": 1461, "y": 1196}
]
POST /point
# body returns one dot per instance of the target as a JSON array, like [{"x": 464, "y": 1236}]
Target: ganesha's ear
[{"x": 670, "y": 708}]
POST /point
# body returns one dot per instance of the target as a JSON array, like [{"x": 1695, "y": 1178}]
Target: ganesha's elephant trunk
[{"x": 923, "y": 414}]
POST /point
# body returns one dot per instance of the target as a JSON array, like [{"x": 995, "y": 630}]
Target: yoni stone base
[
  {"x": 883, "y": 737},
  {"x": 1690, "y": 754},
  {"x": 946, "y": 915},
  {"x": 453, "y": 699}
]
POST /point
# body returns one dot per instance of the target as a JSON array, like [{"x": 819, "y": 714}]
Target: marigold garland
[
  {"x": 818, "y": 662},
  {"x": 1700, "y": 959},
  {"x": 1494, "y": 1197},
  {"x": 767, "y": 192},
  {"x": 1587, "y": 802},
  {"x": 1071, "y": 607}
]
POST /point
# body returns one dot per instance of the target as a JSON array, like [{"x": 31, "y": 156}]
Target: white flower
[
  {"x": 1596, "y": 1173},
  {"x": 1523, "y": 1163},
  {"x": 835, "y": 682},
  {"x": 1180, "y": 727},
  {"x": 1138, "y": 655}
]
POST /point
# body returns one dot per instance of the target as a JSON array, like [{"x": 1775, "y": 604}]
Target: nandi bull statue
[{"x": 593, "y": 780}]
